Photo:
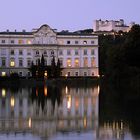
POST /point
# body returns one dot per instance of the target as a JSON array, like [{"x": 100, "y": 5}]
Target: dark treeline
[{"x": 120, "y": 56}]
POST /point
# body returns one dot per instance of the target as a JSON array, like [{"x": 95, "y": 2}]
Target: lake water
[{"x": 65, "y": 113}]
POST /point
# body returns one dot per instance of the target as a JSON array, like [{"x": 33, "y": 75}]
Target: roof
[
  {"x": 16, "y": 33},
  {"x": 72, "y": 33}
]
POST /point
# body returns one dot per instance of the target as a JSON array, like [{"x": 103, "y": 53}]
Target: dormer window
[
  {"x": 20, "y": 41},
  {"x": 92, "y": 42},
  {"x": 68, "y": 42},
  {"x": 84, "y": 42}
]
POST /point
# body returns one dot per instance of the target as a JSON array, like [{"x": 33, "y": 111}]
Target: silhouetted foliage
[{"x": 120, "y": 55}]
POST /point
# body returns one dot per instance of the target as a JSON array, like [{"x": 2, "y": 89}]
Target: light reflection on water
[
  {"x": 59, "y": 113},
  {"x": 48, "y": 112}
]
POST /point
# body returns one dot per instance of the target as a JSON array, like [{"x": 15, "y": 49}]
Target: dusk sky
[{"x": 64, "y": 14}]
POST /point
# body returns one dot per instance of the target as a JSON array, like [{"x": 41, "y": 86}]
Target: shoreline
[{"x": 73, "y": 81}]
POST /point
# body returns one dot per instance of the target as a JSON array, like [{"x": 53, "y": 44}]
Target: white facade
[
  {"x": 111, "y": 25},
  {"x": 78, "y": 53}
]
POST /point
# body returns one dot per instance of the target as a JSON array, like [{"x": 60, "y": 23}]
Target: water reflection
[
  {"x": 118, "y": 113},
  {"x": 44, "y": 111}
]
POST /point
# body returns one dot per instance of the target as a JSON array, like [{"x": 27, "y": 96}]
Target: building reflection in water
[{"x": 46, "y": 110}]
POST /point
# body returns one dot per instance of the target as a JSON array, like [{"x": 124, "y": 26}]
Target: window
[
  {"x": 92, "y": 42},
  {"x": 12, "y": 41},
  {"x": 85, "y": 52},
  {"x": 20, "y": 63},
  {"x": 68, "y": 42},
  {"x": 76, "y": 62},
  {"x": 29, "y": 74},
  {"x": 28, "y": 52},
  {"x": 68, "y": 52},
  {"x": 69, "y": 62},
  {"x": 20, "y": 41},
  {"x": 84, "y": 42},
  {"x": 28, "y": 63},
  {"x": 28, "y": 41},
  {"x": 60, "y": 52},
  {"x": 3, "y": 51},
  {"x": 76, "y": 52},
  {"x": 3, "y": 73},
  {"x": 20, "y": 73},
  {"x": 20, "y": 52},
  {"x": 76, "y": 73},
  {"x": 76, "y": 42},
  {"x": 61, "y": 62},
  {"x": 12, "y": 52},
  {"x": 52, "y": 53},
  {"x": 93, "y": 64},
  {"x": 45, "y": 52},
  {"x": 3, "y": 41},
  {"x": 12, "y": 63},
  {"x": 85, "y": 73},
  {"x": 3, "y": 62},
  {"x": 92, "y": 52},
  {"x": 37, "y": 52},
  {"x": 68, "y": 73},
  {"x": 85, "y": 62}
]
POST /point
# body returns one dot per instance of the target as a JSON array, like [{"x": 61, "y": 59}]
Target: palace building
[{"x": 77, "y": 52}]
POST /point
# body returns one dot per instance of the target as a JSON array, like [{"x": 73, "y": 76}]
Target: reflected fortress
[{"x": 46, "y": 110}]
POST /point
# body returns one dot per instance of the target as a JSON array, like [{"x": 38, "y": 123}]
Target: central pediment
[{"x": 45, "y": 35}]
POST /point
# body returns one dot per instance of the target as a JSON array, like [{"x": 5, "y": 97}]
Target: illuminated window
[
  {"x": 20, "y": 41},
  {"x": 93, "y": 64},
  {"x": 3, "y": 73},
  {"x": 68, "y": 62},
  {"x": 84, "y": 42},
  {"x": 85, "y": 52},
  {"x": 76, "y": 62},
  {"x": 12, "y": 63},
  {"x": 28, "y": 41},
  {"x": 85, "y": 62},
  {"x": 12, "y": 52}
]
